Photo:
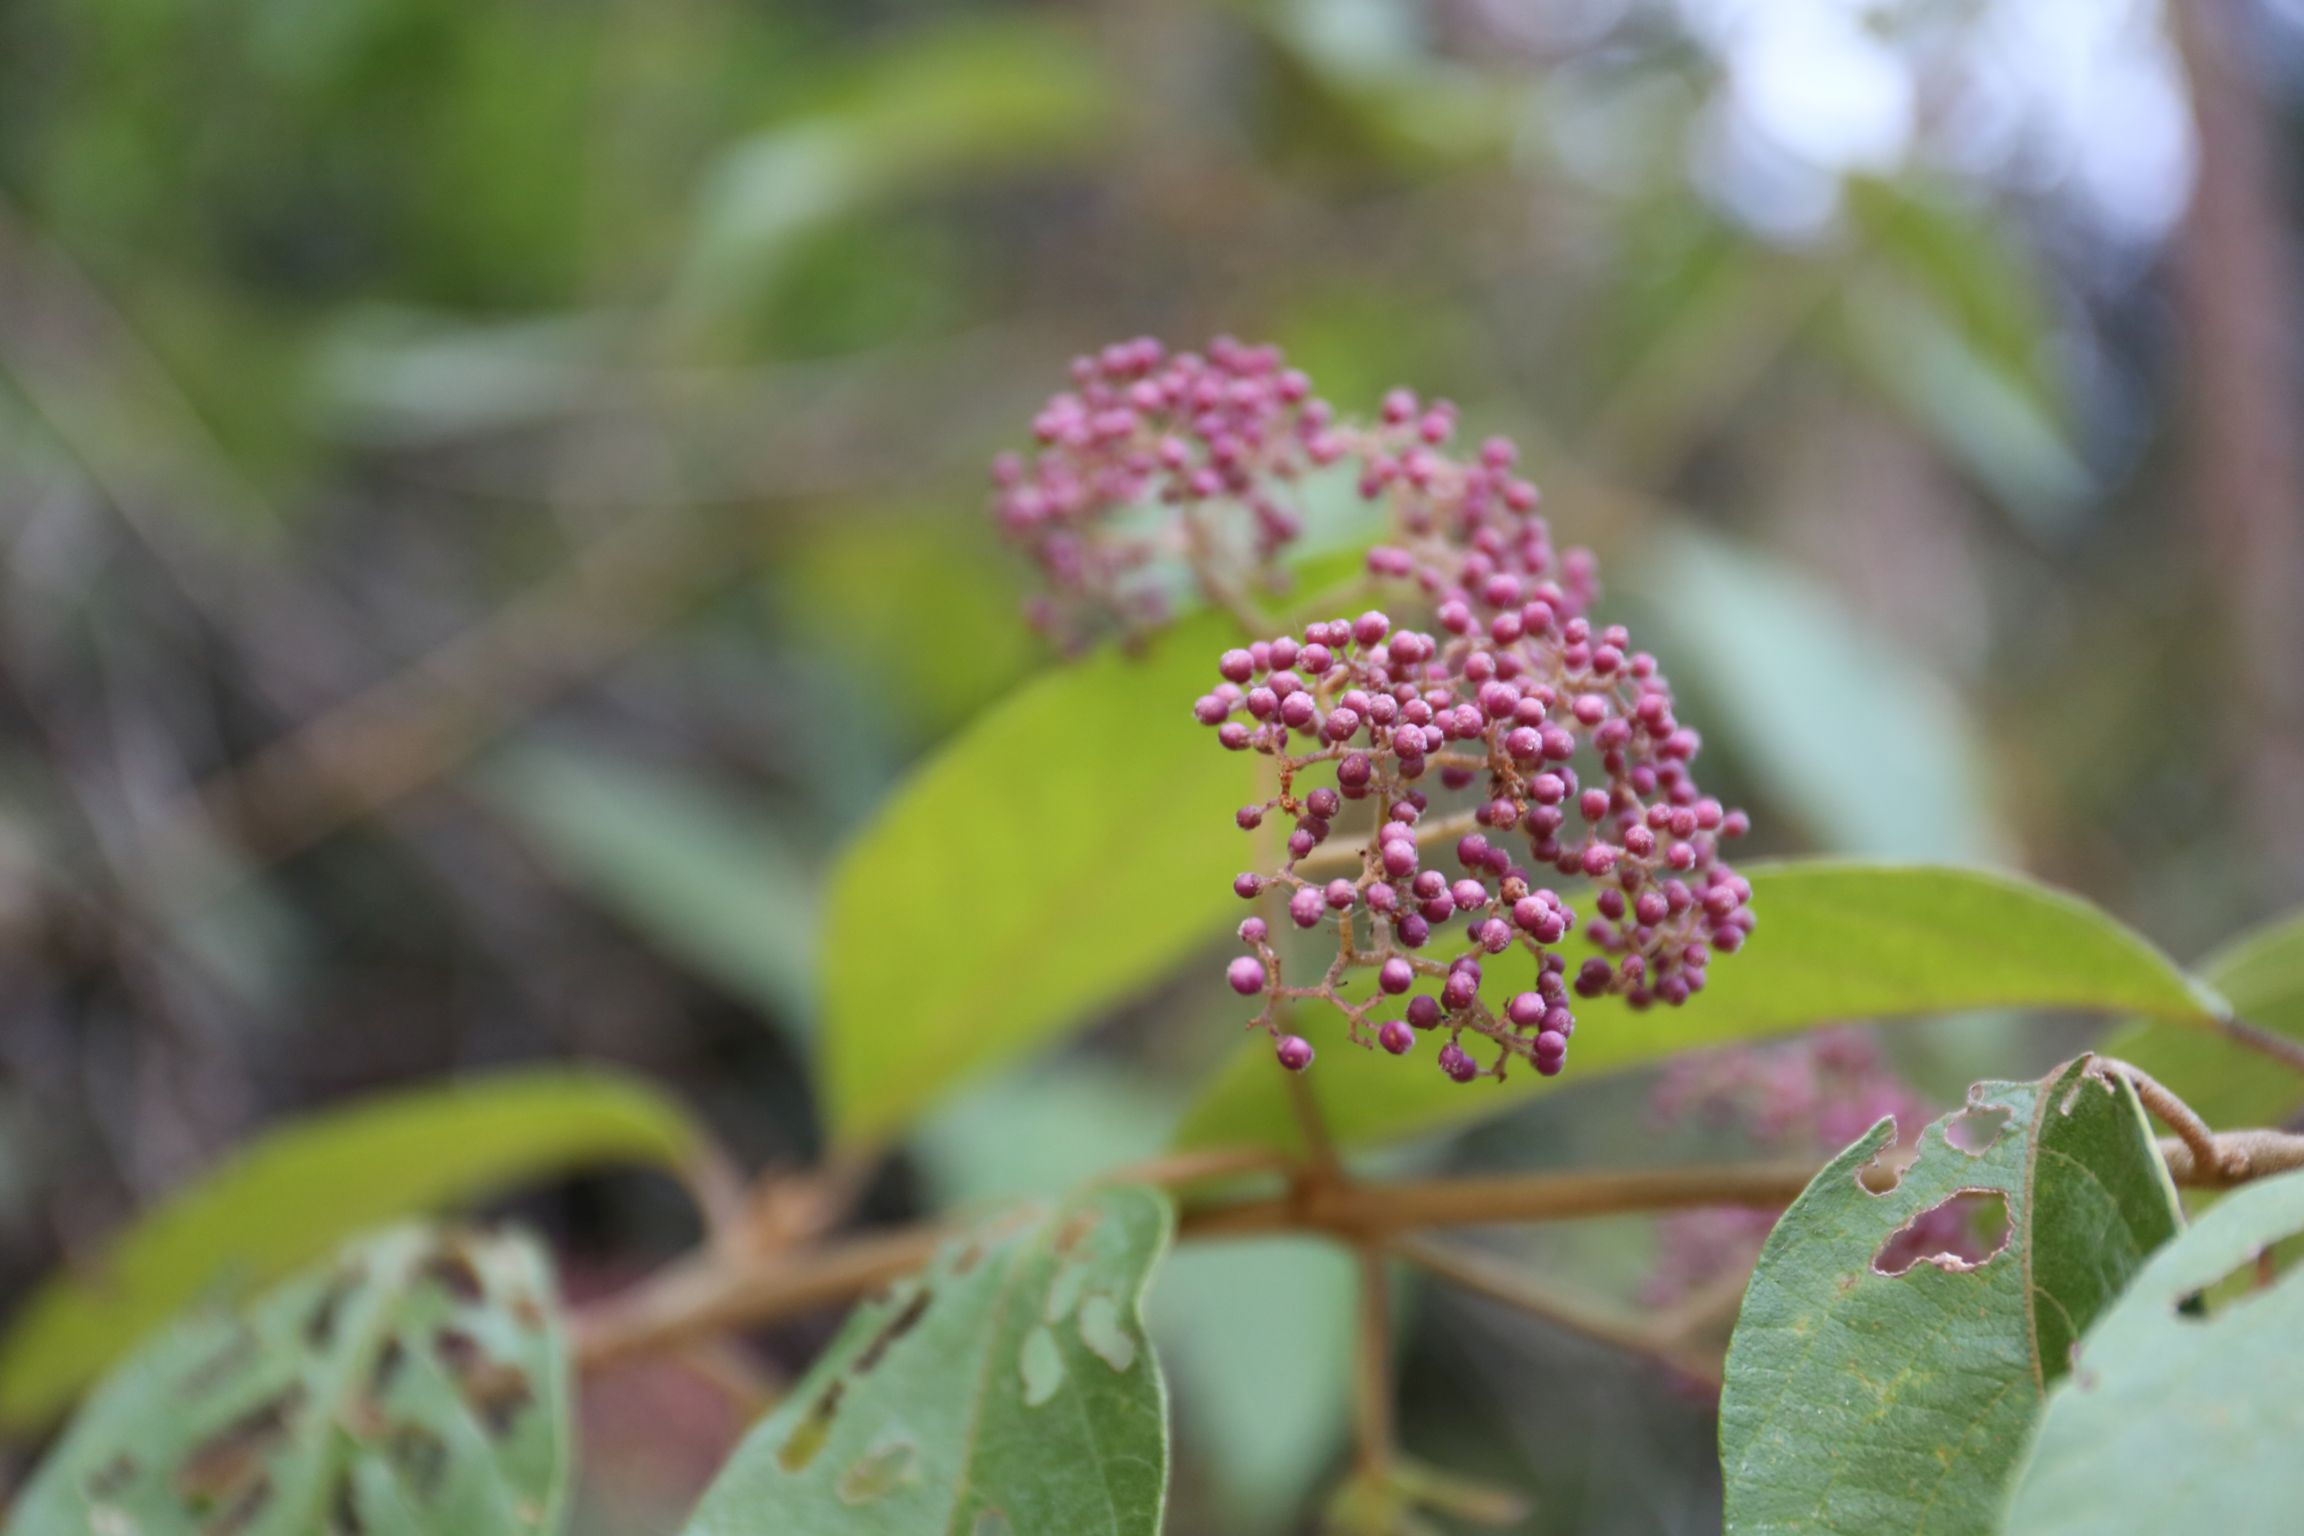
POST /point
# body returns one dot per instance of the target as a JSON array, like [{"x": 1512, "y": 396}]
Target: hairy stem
[
  {"x": 2235, "y": 1158},
  {"x": 2178, "y": 1116}
]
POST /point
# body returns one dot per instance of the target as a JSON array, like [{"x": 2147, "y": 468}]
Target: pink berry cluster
[
  {"x": 1561, "y": 738},
  {"x": 1150, "y": 458},
  {"x": 1810, "y": 1097}
]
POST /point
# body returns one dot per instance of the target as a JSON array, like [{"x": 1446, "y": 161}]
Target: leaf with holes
[
  {"x": 2261, "y": 974},
  {"x": 2180, "y": 1416},
  {"x": 1836, "y": 941},
  {"x": 416, "y": 1382},
  {"x": 1889, "y": 1355},
  {"x": 289, "y": 1197},
  {"x": 1007, "y": 1389}
]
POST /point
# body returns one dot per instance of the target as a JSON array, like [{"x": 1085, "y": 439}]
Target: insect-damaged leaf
[
  {"x": 287, "y": 1198},
  {"x": 1876, "y": 1385},
  {"x": 416, "y": 1382},
  {"x": 1006, "y": 1390},
  {"x": 2179, "y": 1416}
]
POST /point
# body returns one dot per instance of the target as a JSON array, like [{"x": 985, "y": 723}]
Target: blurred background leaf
[{"x": 708, "y": 879}]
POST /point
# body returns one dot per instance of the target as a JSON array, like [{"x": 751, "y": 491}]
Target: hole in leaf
[
  {"x": 221, "y": 1366},
  {"x": 453, "y": 1270},
  {"x": 2244, "y": 1282},
  {"x": 1879, "y": 1176},
  {"x": 1965, "y": 1230},
  {"x": 1042, "y": 1364},
  {"x": 1075, "y": 1230},
  {"x": 320, "y": 1327},
  {"x": 495, "y": 1390},
  {"x": 808, "y": 1436},
  {"x": 1101, "y": 1331},
  {"x": 878, "y": 1472},
  {"x": 239, "y": 1515},
  {"x": 230, "y": 1460},
  {"x": 419, "y": 1456},
  {"x": 381, "y": 1375},
  {"x": 111, "y": 1479},
  {"x": 1975, "y": 1128},
  {"x": 895, "y": 1328},
  {"x": 344, "y": 1509},
  {"x": 1064, "y": 1292}
]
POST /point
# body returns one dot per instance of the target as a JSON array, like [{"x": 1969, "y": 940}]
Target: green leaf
[
  {"x": 2175, "y": 1417},
  {"x": 287, "y": 1198},
  {"x": 1836, "y": 941},
  {"x": 1861, "y": 1398},
  {"x": 702, "y": 875},
  {"x": 1058, "y": 856},
  {"x": 2261, "y": 974},
  {"x": 417, "y": 1382},
  {"x": 1008, "y": 1389},
  {"x": 1867, "y": 748}
]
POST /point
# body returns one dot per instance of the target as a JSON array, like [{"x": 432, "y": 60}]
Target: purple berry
[
  {"x": 1246, "y": 975},
  {"x": 1294, "y": 1051},
  {"x": 1396, "y": 1037}
]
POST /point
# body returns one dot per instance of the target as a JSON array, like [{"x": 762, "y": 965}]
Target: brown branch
[
  {"x": 710, "y": 1293},
  {"x": 707, "y": 1294},
  {"x": 2192, "y": 1131},
  {"x": 698, "y": 1297},
  {"x": 2237, "y": 1157}
]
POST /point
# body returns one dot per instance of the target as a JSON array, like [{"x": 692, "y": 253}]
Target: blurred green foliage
[{"x": 490, "y": 495}]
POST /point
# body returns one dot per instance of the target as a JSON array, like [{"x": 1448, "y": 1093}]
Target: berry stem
[{"x": 1338, "y": 855}]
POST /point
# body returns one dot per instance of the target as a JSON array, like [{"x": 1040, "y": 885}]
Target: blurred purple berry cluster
[
  {"x": 1150, "y": 458},
  {"x": 1809, "y": 1097}
]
